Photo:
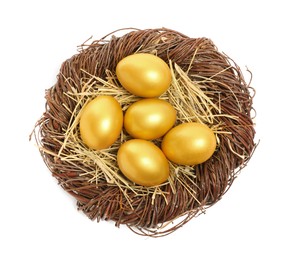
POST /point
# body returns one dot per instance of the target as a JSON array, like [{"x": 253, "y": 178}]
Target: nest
[{"x": 207, "y": 87}]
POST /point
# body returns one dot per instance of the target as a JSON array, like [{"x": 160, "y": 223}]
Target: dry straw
[{"x": 207, "y": 87}]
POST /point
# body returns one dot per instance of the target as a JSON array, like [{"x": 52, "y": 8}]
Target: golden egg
[
  {"x": 143, "y": 162},
  {"x": 149, "y": 118},
  {"x": 144, "y": 74},
  {"x": 189, "y": 144},
  {"x": 101, "y": 122}
]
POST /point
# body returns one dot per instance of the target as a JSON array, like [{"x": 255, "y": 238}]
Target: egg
[
  {"x": 101, "y": 122},
  {"x": 144, "y": 74},
  {"x": 149, "y": 118},
  {"x": 189, "y": 144},
  {"x": 143, "y": 162}
]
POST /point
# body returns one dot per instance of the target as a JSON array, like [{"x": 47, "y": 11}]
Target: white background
[{"x": 39, "y": 221}]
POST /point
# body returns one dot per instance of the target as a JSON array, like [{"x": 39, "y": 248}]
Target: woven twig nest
[{"x": 207, "y": 87}]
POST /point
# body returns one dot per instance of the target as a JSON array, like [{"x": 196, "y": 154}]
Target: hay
[{"x": 207, "y": 87}]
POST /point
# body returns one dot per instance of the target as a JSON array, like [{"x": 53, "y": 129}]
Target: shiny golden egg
[
  {"x": 189, "y": 144},
  {"x": 149, "y": 118},
  {"x": 101, "y": 122},
  {"x": 144, "y": 74},
  {"x": 143, "y": 162}
]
